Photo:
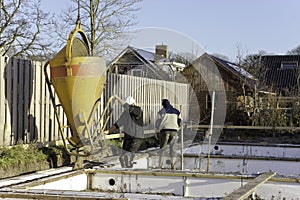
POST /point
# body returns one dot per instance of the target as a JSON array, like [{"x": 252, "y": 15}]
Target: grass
[
  {"x": 18, "y": 156},
  {"x": 114, "y": 142}
]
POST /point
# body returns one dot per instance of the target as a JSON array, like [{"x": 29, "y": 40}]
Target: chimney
[{"x": 161, "y": 51}]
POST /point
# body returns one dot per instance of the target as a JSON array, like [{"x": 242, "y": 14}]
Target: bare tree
[
  {"x": 294, "y": 51},
  {"x": 23, "y": 29},
  {"x": 184, "y": 58},
  {"x": 104, "y": 21},
  {"x": 251, "y": 63}
]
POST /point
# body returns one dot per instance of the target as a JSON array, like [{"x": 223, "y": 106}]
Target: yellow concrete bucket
[{"x": 78, "y": 81}]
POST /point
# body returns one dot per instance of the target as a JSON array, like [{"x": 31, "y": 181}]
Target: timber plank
[
  {"x": 38, "y": 102},
  {"x": 7, "y": 134},
  {"x": 2, "y": 99},
  {"x": 27, "y": 89},
  {"x": 244, "y": 191},
  {"x": 14, "y": 107},
  {"x": 20, "y": 101},
  {"x": 32, "y": 110}
]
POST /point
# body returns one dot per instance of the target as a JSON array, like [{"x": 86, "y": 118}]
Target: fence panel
[
  {"x": 27, "y": 114},
  {"x": 148, "y": 94},
  {"x": 26, "y": 111}
]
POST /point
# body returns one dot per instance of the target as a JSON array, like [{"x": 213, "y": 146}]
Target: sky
[{"x": 215, "y": 26}]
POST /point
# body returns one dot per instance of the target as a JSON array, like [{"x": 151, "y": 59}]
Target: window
[
  {"x": 136, "y": 72},
  {"x": 289, "y": 65}
]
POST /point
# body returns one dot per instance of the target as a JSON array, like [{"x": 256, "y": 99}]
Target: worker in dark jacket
[
  {"x": 131, "y": 119},
  {"x": 168, "y": 124}
]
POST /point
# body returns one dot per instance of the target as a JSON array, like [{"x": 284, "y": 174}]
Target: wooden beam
[
  {"x": 246, "y": 190},
  {"x": 113, "y": 136}
]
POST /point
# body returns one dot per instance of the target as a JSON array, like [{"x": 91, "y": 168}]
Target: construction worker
[
  {"x": 131, "y": 119},
  {"x": 168, "y": 124}
]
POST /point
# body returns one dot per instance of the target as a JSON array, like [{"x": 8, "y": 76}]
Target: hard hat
[{"x": 130, "y": 100}]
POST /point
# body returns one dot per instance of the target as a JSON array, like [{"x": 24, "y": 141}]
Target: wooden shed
[{"x": 229, "y": 82}]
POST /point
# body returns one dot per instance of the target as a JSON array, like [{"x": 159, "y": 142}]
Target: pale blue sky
[{"x": 219, "y": 26}]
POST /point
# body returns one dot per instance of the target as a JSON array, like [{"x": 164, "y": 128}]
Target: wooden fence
[
  {"x": 27, "y": 114},
  {"x": 148, "y": 94},
  {"x": 26, "y": 111}
]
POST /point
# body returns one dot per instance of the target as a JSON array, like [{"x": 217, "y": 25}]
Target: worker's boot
[
  {"x": 173, "y": 165},
  {"x": 160, "y": 161}
]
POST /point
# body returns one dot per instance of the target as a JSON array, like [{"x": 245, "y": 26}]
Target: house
[
  {"x": 148, "y": 77},
  {"x": 280, "y": 74},
  {"x": 139, "y": 62},
  {"x": 229, "y": 82}
]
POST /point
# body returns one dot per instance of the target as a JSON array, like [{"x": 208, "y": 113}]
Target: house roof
[
  {"x": 147, "y": 55},
  {"x": 237, "y": 71},
  {"x": 280, "y": 72},
  {"x": 148, "y": 58},
  {"x": 234, "y": 71},
  {"x": 234, "y": 68}
]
